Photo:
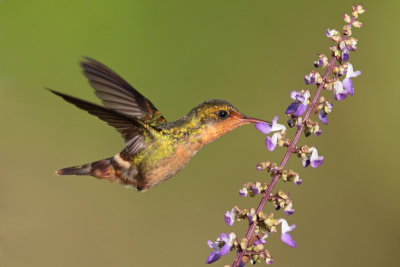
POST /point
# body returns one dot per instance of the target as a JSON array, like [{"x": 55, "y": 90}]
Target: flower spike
[{"x": 305, "y": 105}]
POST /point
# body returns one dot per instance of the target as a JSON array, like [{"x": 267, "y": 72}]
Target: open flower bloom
[
  {"x": 256, "y": 188},
  {"x": 265, "y": 128},
  {"x": 221, "y": 247},
  {"x": 243, "y": 192},
  {"x": 347, "y": 82},
  {"x": 289, "y": 209},
  {"x": 323, "y": 113},
  {"x": 286, "y": 237},
  {"x": 323, "y": 116},
  {"x": 342, "y": 89},
  {"x": 300, "y": 105},
  {"x": 345, "y": 53},
  {"x": 313, "y": 159},
  {"x": 230, "y": 217},
  {"x": 339, "y": 93},
  {"x": 271, "y": 142}
]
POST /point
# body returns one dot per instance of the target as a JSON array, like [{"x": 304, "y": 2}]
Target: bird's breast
[{"x": 169, "y": 166}]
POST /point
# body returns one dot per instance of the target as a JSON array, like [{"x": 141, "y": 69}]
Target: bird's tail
[{"x": 102, "y": 169}]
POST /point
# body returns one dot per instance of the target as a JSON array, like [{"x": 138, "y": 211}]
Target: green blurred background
[{"x": 178, "y": 54}]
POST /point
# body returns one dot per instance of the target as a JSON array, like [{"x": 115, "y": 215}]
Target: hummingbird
[{"x": 155, "y": 149}]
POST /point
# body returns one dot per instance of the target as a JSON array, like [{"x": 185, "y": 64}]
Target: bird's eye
[{"x": 223, "y": 114}]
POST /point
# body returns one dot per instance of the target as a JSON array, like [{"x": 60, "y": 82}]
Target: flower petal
[
  {"x": 263, "y": 127},
  {"x": 317, "y": 162},
  {"x": 243, "y": 192},
  {"x": 230, "y": 217},
  {"x": 214, "y": 256},
  {"x": 224, "y": 237},
  {"x": 270, "y": 143},
  {"x": 307, "y": 79},
  {"x": 293, "y": 95},
  {"x": 351, "y": 73},
  {"x": 338, "y": 91},
  {"x": 289, "y": 209},
  {"x": 276, "y": 126},
  {"x": 289, "y": 212},
  {"x": 323, "y": 117},
  {"x": 318, "y": 132},
  {"x": 225, "y": 250},
  {"x": 340, "y": 96},
  {"x": 301, "y": 109},
  {"x": 298, "y": 181},
  {"x": 348, "y": 85},
  {"x": 255, "y": 189},
  {"x": 292, "y": 108},
  {"x": 306, "y": 162},
  {"x": 288, "y": 240},
  {"x": 345, "y": 54},
  {"x": 269, "y": 260},
  {"x": 285, "y": 226}
]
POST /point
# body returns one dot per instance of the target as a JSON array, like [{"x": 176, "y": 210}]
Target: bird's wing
[
  {"x": 131, "y": 130},
  {"x": 118, "y": 95}
]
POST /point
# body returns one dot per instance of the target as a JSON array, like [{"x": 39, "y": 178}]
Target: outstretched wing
[
  {"x": 118, "y": 95},
  {"x": 131, "y": 130}
]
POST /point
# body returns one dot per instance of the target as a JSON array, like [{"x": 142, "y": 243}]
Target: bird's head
[{"x": 216, "y": 117}]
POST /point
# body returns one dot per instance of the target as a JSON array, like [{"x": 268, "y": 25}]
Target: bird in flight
[{"x": 155, "y": 149}]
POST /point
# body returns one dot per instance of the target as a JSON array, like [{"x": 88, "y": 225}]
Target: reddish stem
[{"x": 285, "y": 159}]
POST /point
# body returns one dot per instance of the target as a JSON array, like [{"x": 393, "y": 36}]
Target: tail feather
[
  {"x": 76, "y": 170},
  {"x": 100, "y": 169},
  {"x": 114, "y": 169}
]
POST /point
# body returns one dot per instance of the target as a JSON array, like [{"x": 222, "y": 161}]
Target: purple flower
[
  {"x": 265, "y": 128},
  {"x": 256, "y": 188},
  {"x": 243, "y": 192},
  {"x": 286, "y": 237},
  {"x": 347, "y": 82},
  {"x": 300, "y": 105},
  {"x": 289, "y": 209},
  {"x": 310, "y": 79},
  {"x": 330, "y": 33},
  {"x": 298, "y": 181},
  {"x": 221, "y": 247},
  {"x": 342, "y": 89},
  {"x": 345, "y": 54},
  {"x": 333, "y": 35},
  {"x": 269, "y": 260},
  {"x": 261, "y": 240},
  {"x": 313, "y": 159},
  {"x": 252, "y": 215},
  {"x": 230, "y": 217},
  {"x": 271, "y": 142},
  {"x": 323, "y": 114},
  {"x": 339, "y": 93}
]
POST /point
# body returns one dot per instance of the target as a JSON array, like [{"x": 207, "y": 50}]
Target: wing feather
[
  {"x": 118, "y": 95},
  {"x": 131, "y": 129}
]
